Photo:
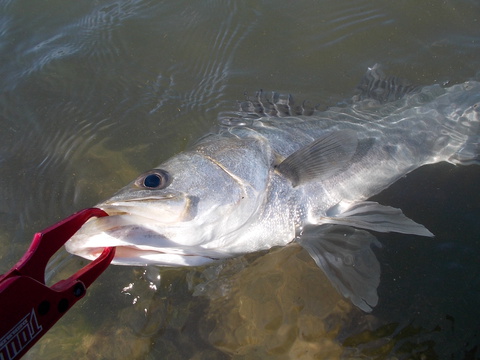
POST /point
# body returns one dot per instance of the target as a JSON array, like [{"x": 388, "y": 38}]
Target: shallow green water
[{"x": 93, "y": 93}]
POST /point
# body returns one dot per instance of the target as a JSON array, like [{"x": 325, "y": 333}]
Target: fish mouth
[{"x": 139, "y": 241}]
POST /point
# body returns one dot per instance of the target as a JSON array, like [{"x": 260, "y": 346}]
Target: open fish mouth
[{"x": 139, "y": 241}]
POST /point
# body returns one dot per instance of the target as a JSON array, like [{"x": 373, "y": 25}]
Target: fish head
[{"x": 183, "y": 213}]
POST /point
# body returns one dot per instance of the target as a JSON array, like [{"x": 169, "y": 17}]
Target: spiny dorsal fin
[
  {"x": 274, "y": 105},
  {"x": 266, "y": 105},
  {"x": 320, "y": 159},
  {"x": 375, "y": 85}
]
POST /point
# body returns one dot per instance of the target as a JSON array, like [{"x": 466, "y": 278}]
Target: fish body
[{"x": 271, "y": 174}]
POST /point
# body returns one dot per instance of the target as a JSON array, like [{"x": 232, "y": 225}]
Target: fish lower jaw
[{"x": 132, "y": 256}]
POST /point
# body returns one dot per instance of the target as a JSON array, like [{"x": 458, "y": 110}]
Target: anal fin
[{"x": 373, "y": 216}]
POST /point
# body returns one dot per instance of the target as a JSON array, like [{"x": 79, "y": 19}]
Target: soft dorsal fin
[
  {"x": 375, "y": 85},
  {"x": 320, "y": 159}
]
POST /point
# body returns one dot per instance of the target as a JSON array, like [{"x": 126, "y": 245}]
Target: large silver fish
[{"x": 272, "y": 174}]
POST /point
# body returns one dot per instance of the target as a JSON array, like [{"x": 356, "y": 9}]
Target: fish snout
[{"x": 165, "y": 209}]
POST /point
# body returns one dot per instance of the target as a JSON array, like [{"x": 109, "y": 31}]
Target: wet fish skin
[{"x": 271, "y": 174}]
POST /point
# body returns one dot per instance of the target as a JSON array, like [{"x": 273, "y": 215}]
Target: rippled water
[{"x": 93, "y": 93}]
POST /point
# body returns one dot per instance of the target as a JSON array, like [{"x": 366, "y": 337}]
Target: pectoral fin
[
  {"x": 373, "y": 216},
  {"x": 320, "y": 159},
  {"x": 346, "y": 257}
]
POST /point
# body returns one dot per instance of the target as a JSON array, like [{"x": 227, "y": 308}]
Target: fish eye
[
  {"x": 156, "y": 179},
  {"x": 152, "y": 181}
]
